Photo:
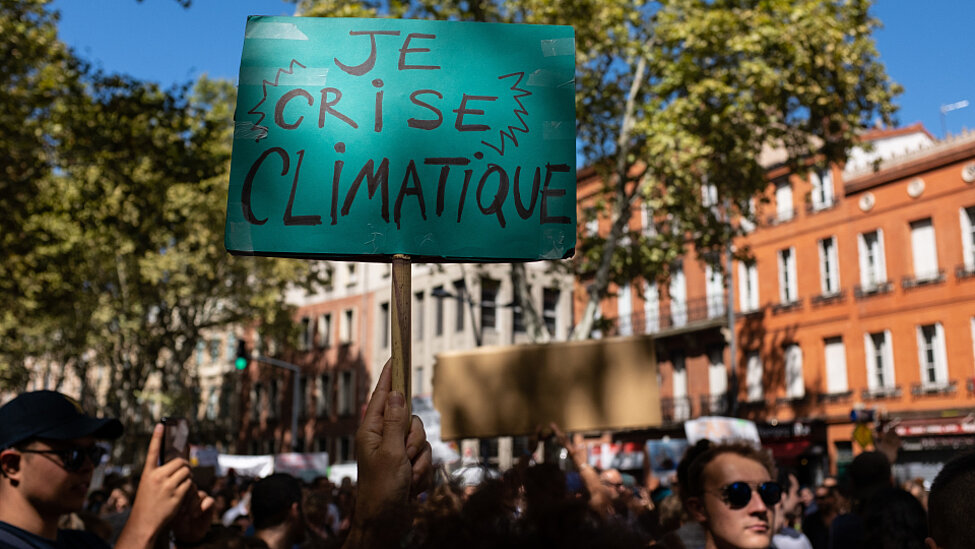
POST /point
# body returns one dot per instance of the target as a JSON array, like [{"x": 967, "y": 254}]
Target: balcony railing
[
  {"x": 923, "y": 279},
  {"x": 675, "y": 409},
  {"x": 861, "y": 292},
  {"x": 964, "y": 271},
  {"x": 714, "y": 405},
  {"x": 674, "y": 315}
]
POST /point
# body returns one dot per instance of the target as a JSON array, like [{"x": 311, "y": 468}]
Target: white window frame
[
  {"x": 886, "y": 361},
  {"x": 748, "y": 287},
  {"x": 785, "y": 209},
  {"x": 678, "y": 296},
  {"x": 647, "y": 225},
  {"x": 795, "y": 383},
  {"x": 717, "y": 372},
  {"x": 624, "y": 310},
  {"x": 822, "y": 189},
  {"x": 936, "y": 346},
  {"x": 788, "y": 283},
  {"x": 682, "y": 410},
  {"x": 829, "y": 266},
  {"x": 753, "y": 377},
  {"x": 924, "y": 249},
  {"x": 324, "y": 329},
  {"x": 347, "y": 326},
  {"x": 651, "y": 307},
  {"x": 714, "y": 291},
  {"x": 709, "y": 195},
  {"x": 834, "y": 354},
  {"x": 967, "y": 217},
  {"x": 879, "y": 270}
]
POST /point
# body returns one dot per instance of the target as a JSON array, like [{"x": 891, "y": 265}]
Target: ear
[
  {"x": 929, "y": 542},
  {"x": 295, "y": 512},
  {"x": 10, "y": 463},
  {"x": 695, "y": 508}
]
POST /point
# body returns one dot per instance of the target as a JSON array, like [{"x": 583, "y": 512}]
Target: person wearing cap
[{"x": 48, "y": 453}]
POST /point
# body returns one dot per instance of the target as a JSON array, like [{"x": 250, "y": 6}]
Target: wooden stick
[{"x": 401, "y": 326}]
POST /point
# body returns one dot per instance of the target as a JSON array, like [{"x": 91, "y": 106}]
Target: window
[
  {"x": 214, "y": 349},
  {"x": 274, "y": 399},
  {"x": 714, "y": 291},
  {"x": 717, "y": 373},
  {"x": 346, "y": 393},
  {"x": 257, "y": 397},
  {"x": 746, "y": 223},
  {"x": 438, "y": 312},
  {"x": 651, "y": 307},
  {"x": 709, "y": 195},
  {"x": 418, "y": 380},
  {"x": 418, "y": 314},
  {"x": 306, "y": 334},
  {"x": 302, "y": 393},
  {"x": 682, "y": 408},
  {"x": 649, "y": 228},
  {"x": 788, "y": 291},
  {"x": 624, "y": 310},
  {"x": 968, "y": 237},
  {"x": 550, "y": 307},
  {"x": 753, "y": 377},
  {"x": 924, "y": 250},
  {"x": 822, "y": 189},
  {"x": 873, "y": 269},
  {"x": 829, "y": 267},
  {"x": 384, "y": 327},
  {"x": 230, "y": 349},
  {"x": 931, "y": 355},
  {"x": 345, "y": 449},
  {"x": 748, "y": 286},
  {"x": 835, "y": 352},
  {"x": 678, "y": 295},
  {"x": 460, "y": 291},
  {"x": 489, "y": 306},
  {"x": 325, "y": 330},
  {"x": 795, "y": 386},
  {"x": 347, "y": 326},
  {"x": 517, "y": 314},
  {"x": 880, "y": 361},
  {"x": 213, "y": 400},
  {"x": 784, "y": 210},
  {"x": 200, "y": 348},
  {"x": 352, "y": 272},
  {"x": 323, "y": 397}
]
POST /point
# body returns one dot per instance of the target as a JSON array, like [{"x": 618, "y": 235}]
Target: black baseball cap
[{"x": 51, "y": 415}]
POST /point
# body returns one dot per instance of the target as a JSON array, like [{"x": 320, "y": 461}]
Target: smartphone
[{"x": 176, "y": 439}]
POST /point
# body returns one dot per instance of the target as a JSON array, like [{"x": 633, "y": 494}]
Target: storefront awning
[{"x": 935, "y": 426}]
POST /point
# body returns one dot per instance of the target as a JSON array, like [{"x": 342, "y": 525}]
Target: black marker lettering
[
  {"x": 374, "y": 179},
  {"x": 378, "y": 125},
  {"x": 495, "y": 206},
  {"x": 405, "y": 189},
  {"x": 283, "y": 102},
  {"x": 336, "y": 174},
  {"x": 327, "y": 108},
  {"x": 425, "y": 124},
  {"x": 462, "y": 110},
  {"x": 407, "y": 49},
  {"x": 368, "y": 64},
  {"x": 245, "y": 192},
  {"x": 522, "y": 211},
  {"x": 546, "y": 192},
  {"x": 298, "y": 219},
  {"x": 442, "y": 183}
]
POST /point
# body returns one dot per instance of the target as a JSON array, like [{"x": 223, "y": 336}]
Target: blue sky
[{"x": 928, "y": 48}]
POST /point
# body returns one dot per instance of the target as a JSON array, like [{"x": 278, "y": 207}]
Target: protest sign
[{"x": 441, "y": 141}]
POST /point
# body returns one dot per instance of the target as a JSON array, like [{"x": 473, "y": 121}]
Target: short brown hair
[{"x": 695, "y": 475}]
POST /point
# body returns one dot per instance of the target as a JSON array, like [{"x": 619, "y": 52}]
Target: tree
[
  {"x": 674, "y": 95},
  {"x": 116, "y": 191}
]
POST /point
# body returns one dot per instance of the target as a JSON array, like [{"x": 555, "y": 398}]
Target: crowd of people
[{"x": 724, "y": 495}]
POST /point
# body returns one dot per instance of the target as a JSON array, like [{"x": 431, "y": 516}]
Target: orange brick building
[{"x": 861, "y": 296}]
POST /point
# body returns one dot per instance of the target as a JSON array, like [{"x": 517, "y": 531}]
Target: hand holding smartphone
[{"x": 176, "y": 439}]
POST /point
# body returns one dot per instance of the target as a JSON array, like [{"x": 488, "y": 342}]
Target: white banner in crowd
[
  {"x": 721, "y": 429},
  {"x": 246, "y": 466},
  {"x": 306, "y": 466}
]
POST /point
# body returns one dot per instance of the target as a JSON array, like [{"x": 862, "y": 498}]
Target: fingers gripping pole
[{"x": 401, "y": 319}]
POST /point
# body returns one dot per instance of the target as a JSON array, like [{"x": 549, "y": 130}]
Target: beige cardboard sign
[{"x": 581, "y": 386}]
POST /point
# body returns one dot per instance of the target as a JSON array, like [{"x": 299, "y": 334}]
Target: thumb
[{"x": 395, "y": 423}]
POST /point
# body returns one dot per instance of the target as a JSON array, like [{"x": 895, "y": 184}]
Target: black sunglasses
[
  {"x": 738, "y": 494},
  {"x": 73, "y": 459}
]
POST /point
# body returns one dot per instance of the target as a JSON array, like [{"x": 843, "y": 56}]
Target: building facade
[{"x": 858, "y": 302}]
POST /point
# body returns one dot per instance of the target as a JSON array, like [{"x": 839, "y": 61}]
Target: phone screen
[{"x": 176, "y": 437}]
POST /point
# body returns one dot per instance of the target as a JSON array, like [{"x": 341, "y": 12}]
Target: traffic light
[{"x": 243, "y": 356}]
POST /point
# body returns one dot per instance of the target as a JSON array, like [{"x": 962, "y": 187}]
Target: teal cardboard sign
[{"x": 443, "y": 141}]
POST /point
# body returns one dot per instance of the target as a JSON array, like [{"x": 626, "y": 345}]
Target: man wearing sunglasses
[
  {"x": 48, "y": 453},
  {"x": 732, "y": 494}
]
